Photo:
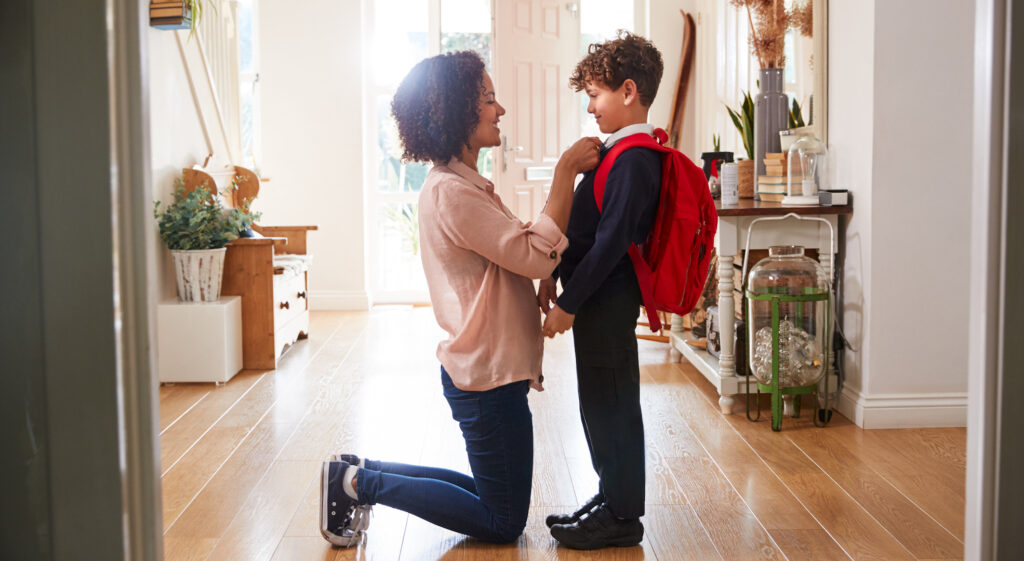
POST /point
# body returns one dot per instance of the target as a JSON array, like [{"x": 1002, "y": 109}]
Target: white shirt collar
[{"x": 626, "y": 131}]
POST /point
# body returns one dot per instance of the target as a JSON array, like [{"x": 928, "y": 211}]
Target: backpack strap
[{"x": 643, "y": 270}]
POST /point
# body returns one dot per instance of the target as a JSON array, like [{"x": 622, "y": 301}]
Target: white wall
[
  {"x": 851, "y": 136},
  {"x": 899, "y": 128},
  {"x": 663, "y": 25},
  {"x": 310, "y": 75},
  {"x": 176, "y": 137}
]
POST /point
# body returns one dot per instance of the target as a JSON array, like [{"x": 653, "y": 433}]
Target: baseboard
[
  {"x": 338, "y": 300},
  {"x": 892, "y": 411}
]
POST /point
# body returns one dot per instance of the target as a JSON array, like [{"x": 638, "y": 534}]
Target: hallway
[{"x": 241, "y": 462}]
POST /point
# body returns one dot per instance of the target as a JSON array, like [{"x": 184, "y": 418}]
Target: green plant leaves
[
  {"x": 796, "y": 118},
  {"x": 198, "y": 220},
  {"x": 744, "y": 122}
]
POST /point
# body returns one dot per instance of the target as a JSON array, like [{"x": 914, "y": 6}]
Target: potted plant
[
  {"x": 743, "y": 119},
  {"x": 196, "y": 228}
]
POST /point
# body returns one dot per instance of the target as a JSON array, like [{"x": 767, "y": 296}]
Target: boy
[{"x": 601, "y": 298}]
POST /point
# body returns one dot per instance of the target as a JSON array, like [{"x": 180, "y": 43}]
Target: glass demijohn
[
  {"x": 807, "y": 163},
  {"x": 788, "y": 299}
]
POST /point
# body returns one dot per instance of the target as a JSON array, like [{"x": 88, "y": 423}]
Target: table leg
[
  {"x": 677, "y": 327},
  {"x": 830, "y": 360},
  {"x": 726, "y": 315}
]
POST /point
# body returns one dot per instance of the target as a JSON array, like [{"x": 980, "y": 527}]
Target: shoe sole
[
  {"x": 615, "y": 543},
  {"x": 345, "y": 540},
  {"x": 620, "y": 542}
]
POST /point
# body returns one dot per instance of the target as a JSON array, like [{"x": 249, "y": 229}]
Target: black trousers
[{"x": 608, "y": 379}]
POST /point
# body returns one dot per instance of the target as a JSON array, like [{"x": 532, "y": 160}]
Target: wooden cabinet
[{"x": 271, "y": 275}]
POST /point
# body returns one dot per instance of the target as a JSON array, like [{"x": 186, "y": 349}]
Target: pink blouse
[{"x": 479, "y": 259}]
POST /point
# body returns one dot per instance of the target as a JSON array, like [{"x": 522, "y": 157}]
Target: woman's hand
[
  {"x": 546, "y": 294},
  {"x": 582, "y": 156},
  {"x": 558, "y": 321}
]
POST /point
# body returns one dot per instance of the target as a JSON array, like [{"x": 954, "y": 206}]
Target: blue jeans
[{"x": 493, "y": 504}]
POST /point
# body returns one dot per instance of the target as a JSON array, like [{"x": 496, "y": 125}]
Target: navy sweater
[{"x": 596, "y": 261}]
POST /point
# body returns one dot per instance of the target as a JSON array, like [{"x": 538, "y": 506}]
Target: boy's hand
[
  {"x": 546, "y": 294},
  {"x": 558, "y": 321},
  {"x": 583, "y": 155}
]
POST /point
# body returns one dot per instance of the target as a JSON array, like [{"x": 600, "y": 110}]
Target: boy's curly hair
[
  {"x": 436, "y": 106},
  {"x": 628, "y": 56}
]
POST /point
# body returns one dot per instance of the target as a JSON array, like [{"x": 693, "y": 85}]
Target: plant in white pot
[{"x": 196, "y": 227}]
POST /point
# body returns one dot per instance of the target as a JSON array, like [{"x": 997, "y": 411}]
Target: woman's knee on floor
[{"x": 508, "y": 532}]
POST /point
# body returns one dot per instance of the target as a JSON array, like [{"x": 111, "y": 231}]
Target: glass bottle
[{"x": 788, "y": 307}]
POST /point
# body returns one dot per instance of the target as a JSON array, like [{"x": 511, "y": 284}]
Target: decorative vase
[
  {"x": 771, "y": 115},
  {"x": 745, "y": 178},
  {"x": 198, "y": 272}
]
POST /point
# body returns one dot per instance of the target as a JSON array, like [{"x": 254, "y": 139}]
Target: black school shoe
[
  {"x": 553, "y": 519},
  {"x": 343, "y": 521},
  {"x": 600, "y": 528}
]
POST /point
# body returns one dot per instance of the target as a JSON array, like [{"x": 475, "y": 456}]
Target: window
[
  {"x": 403, "y": 33},
  {"x": 248, "y": 82}
]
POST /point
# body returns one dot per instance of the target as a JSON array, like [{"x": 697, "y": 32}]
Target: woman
[{"x": 478, "y": 259}]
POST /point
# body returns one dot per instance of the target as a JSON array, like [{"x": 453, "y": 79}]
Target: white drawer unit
[
  {"x": 291, "y": 309},
  {"x": 270, "y": 274},
  {"x": 199, "y": 342}
]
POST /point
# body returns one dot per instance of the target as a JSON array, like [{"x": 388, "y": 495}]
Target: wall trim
[
  {"x": 890, "y": 411},
  {"x": 338, "y": 300}
]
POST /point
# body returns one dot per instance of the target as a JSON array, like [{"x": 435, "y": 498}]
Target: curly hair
[
  {"x": 436, "y": 106},
  {"x": 611, "y": 63}
]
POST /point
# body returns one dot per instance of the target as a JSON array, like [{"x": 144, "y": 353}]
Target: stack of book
[
  {"x": 170, "y": 14},
  {"x": 771, "y": 187}
]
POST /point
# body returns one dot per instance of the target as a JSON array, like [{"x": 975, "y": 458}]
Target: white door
[{"x": 536, "y": 45}]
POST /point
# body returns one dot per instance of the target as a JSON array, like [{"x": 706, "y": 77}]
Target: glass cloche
[
  {"x": 788, "y": 319},
  {"x": 807, "y": 167}
]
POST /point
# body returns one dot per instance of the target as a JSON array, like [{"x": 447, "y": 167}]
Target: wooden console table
[{"x": 730, "y": 239}]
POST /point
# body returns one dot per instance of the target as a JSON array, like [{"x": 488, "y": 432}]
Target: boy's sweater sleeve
[{"x": 630, "y": 189}]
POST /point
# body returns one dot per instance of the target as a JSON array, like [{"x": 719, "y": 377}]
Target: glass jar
[
  {"x": 806, "y": 170},
  {"x": 788, "y": 319}
]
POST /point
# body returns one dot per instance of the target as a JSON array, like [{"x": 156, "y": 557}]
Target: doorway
[{"x": 530, "y": 48}]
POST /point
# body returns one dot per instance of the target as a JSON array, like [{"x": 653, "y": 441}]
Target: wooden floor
[{"x": 241, "y": 462}]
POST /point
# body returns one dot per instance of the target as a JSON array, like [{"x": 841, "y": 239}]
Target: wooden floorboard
[{"x": 241, "y": 462}]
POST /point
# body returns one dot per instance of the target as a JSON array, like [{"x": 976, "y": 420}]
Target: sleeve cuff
[
  {"x": 568, "y": 304},
  {"x": 548, "y": 237}
]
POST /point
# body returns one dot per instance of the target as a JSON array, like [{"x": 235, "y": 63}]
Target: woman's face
[{"x": 490, "y": 111}]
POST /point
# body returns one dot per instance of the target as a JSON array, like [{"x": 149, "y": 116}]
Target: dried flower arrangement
[
  {"x": 801, "y": 18},
  {"x": 769, "y": 20}
]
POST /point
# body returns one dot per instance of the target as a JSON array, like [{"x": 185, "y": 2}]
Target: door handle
[{"x": 505, "y": 149}]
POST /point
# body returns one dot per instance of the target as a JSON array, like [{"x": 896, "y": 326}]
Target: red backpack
[{"x": 673, "y": 263}]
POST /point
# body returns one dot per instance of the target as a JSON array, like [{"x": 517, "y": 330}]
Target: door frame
[
  {"x": 82, "y": 393},
  {"x": 995, "y": 454}
]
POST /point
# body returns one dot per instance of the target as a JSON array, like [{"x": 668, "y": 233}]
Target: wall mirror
[
  {"x": 726, "y": 69},
  {"x": 806, "y": 68}
]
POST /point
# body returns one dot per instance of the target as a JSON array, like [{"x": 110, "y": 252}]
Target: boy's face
[
  {"x": 608, "y": 106},
  {"x": 490, "y": 111}
]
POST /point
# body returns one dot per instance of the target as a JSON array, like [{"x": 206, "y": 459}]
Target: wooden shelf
[
  {"x": 750, "y": 207},
  {"x": 705, "y": 362}
]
